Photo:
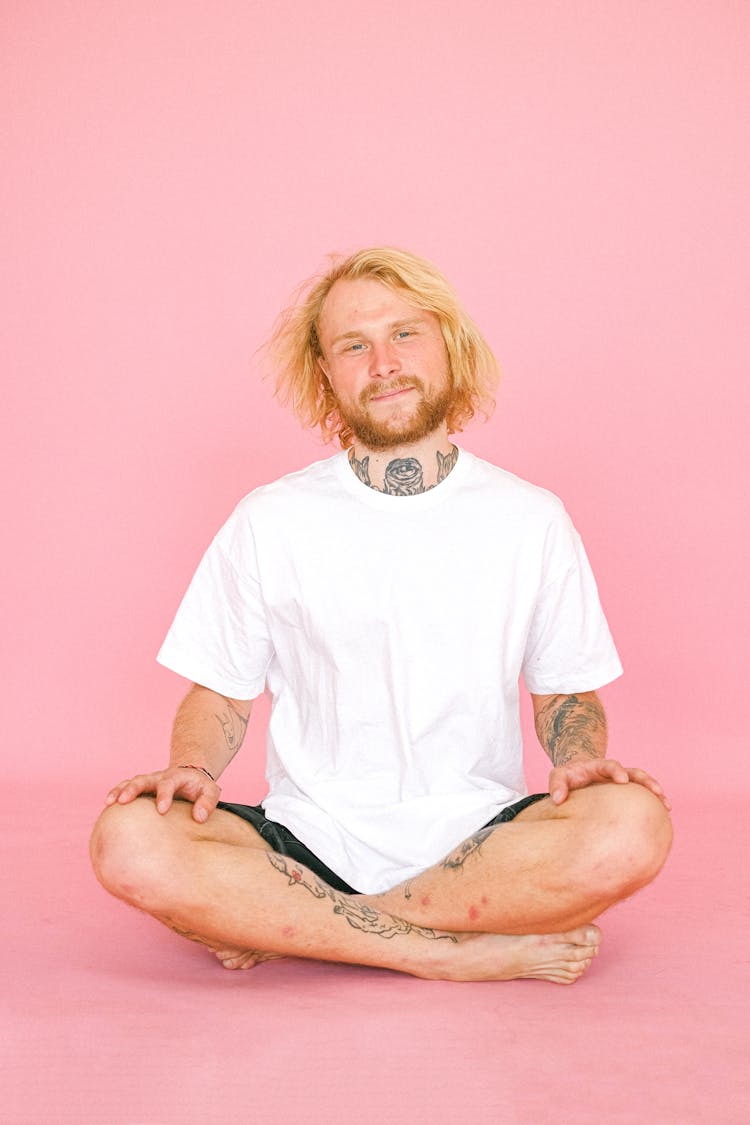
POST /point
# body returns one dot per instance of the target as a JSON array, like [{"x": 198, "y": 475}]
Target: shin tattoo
[{"x": 358, "y": 914}]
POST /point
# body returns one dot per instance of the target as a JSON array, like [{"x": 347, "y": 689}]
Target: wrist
[
  {"x": 578, "y": 758},
  {"x": 202, "y": 769}
]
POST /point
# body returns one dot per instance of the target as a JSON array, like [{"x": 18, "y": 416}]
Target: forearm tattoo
[
  {"x": 233, "y": 725},
  {"x": 358, "y": 914},
  {"x": 569, "y": 727},
  {"x": 404, "y": 476},
  {"x": 457, "y": 858}
]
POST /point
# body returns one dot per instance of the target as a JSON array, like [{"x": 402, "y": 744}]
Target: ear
[{"x": 323, "y": 366}]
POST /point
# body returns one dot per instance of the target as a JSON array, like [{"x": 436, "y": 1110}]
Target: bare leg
[
  {"x": 219, "y": 884},
  {"x": 551, "y": 869}
]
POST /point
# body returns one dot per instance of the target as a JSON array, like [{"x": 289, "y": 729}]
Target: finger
[
  {"x": 581, "y": 774},
  {"x": 558, "y": 786},
  {"x": 114, "y": 793},
  {"x": 129, "y": 790},
  {"x": 164, "y": 794},
  {"x": 206, "y": 801},
  {"x": 642, "y": 778},
  {"x": 204, "y": 805},
  {"x": 611, "y": 768},
  {"x": 646, "y": 779}
]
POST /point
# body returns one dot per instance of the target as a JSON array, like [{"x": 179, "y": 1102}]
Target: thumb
[{"x": 558, "y": 786}]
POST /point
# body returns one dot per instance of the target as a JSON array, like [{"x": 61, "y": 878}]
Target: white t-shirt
[{"x": 391, "y": 632}]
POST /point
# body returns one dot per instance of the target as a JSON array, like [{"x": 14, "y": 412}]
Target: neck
[{"x": 405, "y": 470}]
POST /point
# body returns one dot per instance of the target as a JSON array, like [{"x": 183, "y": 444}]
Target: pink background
[{"x": 171, "y": 171}]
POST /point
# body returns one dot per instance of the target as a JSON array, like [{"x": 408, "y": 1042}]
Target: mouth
[{"x": 390, "y": 395}]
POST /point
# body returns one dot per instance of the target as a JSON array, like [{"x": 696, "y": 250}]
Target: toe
[{"x": 580, "y": 953}]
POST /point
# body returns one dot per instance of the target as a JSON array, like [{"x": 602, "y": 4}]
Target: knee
[
  {"x": 632, "y": 835},
  {"x": 127, "y": 852}
]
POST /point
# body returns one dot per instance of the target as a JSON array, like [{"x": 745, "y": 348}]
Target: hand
[
  {"x": 586, "y": 771},
  {"x": 176, "y": 781}
]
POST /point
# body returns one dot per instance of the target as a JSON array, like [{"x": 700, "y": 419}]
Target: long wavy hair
[{"x": 294, "y": 347}]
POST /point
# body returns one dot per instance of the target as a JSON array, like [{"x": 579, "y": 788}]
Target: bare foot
[
  {"x": 560, "y": 958},
  {"x": 244, "y": 958}
]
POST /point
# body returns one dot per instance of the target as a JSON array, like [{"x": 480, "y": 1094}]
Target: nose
[{"x": 384, "y": 361}]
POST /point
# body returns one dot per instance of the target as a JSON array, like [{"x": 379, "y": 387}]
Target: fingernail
[{"x": 200, "y": 814}]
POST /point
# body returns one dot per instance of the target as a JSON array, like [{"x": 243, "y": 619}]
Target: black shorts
[{"x": 285, "y": 842}]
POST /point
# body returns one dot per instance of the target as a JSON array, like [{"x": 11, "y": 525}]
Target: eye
[
  {"x": 355, "y": 347},
  {"x": 403, "y": 332}
]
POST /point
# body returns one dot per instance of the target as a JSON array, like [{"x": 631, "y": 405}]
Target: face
[{"x": 386, "y": 362}]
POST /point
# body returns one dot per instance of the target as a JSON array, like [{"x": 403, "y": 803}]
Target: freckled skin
[
  {"x": 473, "y": 913},
  {"x": 425, "y": 901}
]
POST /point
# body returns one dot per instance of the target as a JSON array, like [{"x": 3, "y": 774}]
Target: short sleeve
[
  {"x": 569, "y": 646},
  {"x": 219, "y": 637}
]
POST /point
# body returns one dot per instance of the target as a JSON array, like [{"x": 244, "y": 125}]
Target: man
[{"x": 388, "y": 598}]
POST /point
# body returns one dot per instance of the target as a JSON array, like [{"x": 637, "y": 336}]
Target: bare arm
[
  {"x": 573, "y": 731},
  {"x": 208, "y": 731},
  {"x": 571, "y": 727}
]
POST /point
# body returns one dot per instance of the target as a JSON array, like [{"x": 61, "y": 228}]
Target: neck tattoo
[{"x": 404, "y": 475}]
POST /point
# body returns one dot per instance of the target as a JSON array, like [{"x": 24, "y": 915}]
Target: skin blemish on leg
[
  {"x": 473, "y": 913},
  {"x": 288, "y": 931},
  {"x": 484, "y": 900},
  {"x": 425, "y": 901}
]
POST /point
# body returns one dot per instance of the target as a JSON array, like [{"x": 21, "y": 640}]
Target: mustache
[{"x": 397, "y": 385}]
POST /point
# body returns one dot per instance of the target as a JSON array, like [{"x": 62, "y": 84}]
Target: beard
[{"x": 403, "y": 429}]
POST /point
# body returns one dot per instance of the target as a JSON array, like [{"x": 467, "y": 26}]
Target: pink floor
[{"x": 110, "y": 1019}]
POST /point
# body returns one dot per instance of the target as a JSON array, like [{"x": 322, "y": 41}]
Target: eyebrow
[{"x": 355, "y": 335}]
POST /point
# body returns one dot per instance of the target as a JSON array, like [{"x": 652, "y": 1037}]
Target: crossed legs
[{"x": 515, "y": 900}]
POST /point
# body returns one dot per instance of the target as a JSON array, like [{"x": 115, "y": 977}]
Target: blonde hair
[{"x": 295, "y": 347}]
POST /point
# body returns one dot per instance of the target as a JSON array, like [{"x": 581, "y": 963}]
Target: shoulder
[
  {"x": 292, "y": 488},
  {"x": 499, "y": 486},
  {"x": 281, "y": 502}
]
